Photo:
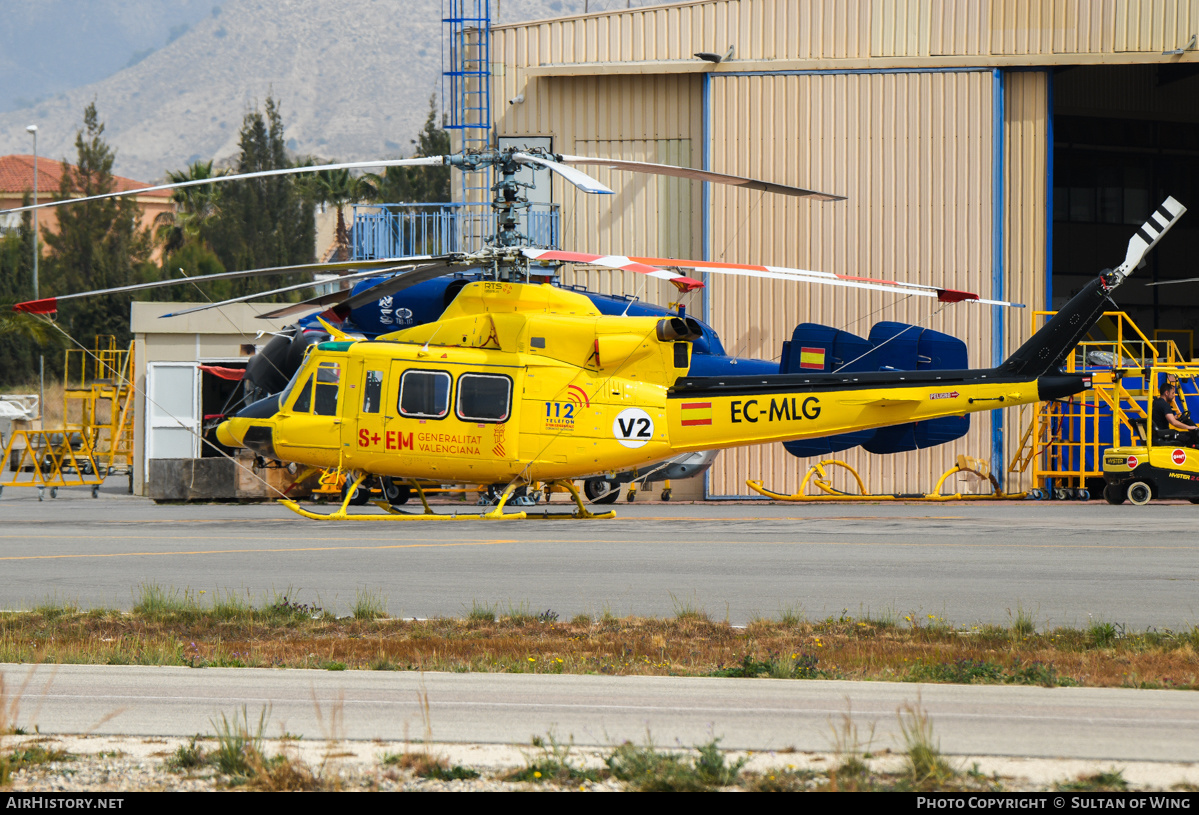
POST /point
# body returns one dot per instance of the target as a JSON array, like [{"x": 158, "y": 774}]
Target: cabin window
[
  {"x": 425, "y": 394},
  {"x": 484, "y": 397},
  {"x": 328, "y": 380},
  {"x": 303, "y": 403},
  {"x": 372, "y": 391}
]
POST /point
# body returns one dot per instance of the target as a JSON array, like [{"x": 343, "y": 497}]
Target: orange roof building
[{"x": 16, "y": 178}]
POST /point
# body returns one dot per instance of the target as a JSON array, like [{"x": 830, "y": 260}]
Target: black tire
[
  {"x": 665, "y": 495},
  {"x": 601, "y": 490},
  {"x": 1193, "y": 500},
  {"x": 1113, "y": 494},
  {"x": 1139, "y": 493},
  {"x": 360, "y": 496},
  {"x": 396, "y": 494}
]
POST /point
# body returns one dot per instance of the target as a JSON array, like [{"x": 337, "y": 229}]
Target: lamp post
[{"x": 41, "y": 403}]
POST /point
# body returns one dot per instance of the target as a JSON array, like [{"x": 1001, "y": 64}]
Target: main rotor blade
[
  {"x": 580, "y": 179},
  {"x": 826, "y": 279},
  {"x": 307, "y": 285},
  {"x": 49, "y": 305},
  {"x": 1173, "y": 282},
  {"x": 347, "y": 301},
  {"x": 702, "y": 175},
  {"x": 220, "y": 179}
]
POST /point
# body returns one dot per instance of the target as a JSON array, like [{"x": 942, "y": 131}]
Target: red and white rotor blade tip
[
  {"x": 825, "y": 279},
  {"x": 681, "y": 281}
]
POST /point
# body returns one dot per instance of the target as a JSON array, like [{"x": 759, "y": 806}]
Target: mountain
[{"x": 353, "y": 79}]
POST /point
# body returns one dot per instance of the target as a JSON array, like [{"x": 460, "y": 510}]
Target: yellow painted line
[
  {"x": 450, "y": 544},
  {"x": 257, "y": 551}
]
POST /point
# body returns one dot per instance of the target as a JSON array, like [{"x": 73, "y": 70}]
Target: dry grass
[{"x": 184, "y": 632}]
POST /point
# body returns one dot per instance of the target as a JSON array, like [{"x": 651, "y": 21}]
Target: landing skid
[{"x": 496, "y": 513}]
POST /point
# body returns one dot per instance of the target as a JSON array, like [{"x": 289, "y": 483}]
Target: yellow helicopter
[{"x": 520, "y": 382}]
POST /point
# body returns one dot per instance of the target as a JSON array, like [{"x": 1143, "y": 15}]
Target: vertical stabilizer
[{"x": 1047, "y": 349}]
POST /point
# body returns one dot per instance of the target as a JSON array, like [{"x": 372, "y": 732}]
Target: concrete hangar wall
[{"x": 934, "y": 117}]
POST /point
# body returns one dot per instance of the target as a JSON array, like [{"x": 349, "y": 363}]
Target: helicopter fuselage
[{"x": 521, "y": 382}]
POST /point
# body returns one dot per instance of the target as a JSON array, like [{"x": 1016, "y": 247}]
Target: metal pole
[{"x": 41, "y": 359}]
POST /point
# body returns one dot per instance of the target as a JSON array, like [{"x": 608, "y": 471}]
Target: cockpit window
[
  {"x": 304, "y": 400},
  {"x": 425, "y": 394},
  {"x": 328, "y": 380}
]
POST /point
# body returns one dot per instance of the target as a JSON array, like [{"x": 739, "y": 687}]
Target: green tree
[
  {"x": 404, "y": 185},
  {"x": 262, "y": 222},
  {"x": 21, "y": 335},
  {"x": 98, "y": 244}
]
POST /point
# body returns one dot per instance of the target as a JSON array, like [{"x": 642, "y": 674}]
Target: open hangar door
[{"x": 1124, "y": 138}]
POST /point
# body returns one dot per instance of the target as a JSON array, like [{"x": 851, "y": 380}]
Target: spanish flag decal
[
  {"x": 811, "y": 359},
  {"x": 696, "y": 413}
]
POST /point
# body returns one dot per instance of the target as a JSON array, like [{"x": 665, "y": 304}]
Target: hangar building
[{"x": 1006, "y": 147}]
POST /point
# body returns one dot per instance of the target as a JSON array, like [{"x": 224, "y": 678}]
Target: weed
[
  {"x": 796, "y": 666},
  {"x": 284, "y": 608},
  {"x": 368, "y": 605},
  {"x": 239, "y": 747},
  {"x": 424, "y": 765},
  {"x": 926, "y": 767},
  {"x": 332, "y": 665},
  {"x": 481, "y": 612},
  {"x": 645, "y": 769},
  {"x": 852, "y": 751},
  {"x": 791, "y": 615},
  {"x": 548, "y": 616},
  {"x": 1102, "y": 635},
  {"x": 961, "y": 671},
  {"x": 156, "y": 603},
  {"x": 1109, "y": 781},
  {"x": 52, "y": 608},
  {"x": 1023, "y": 625},
  {"x": 189, "y": 757},
  {"x": 229, "y": 605},
  {"x": 581, "y": 620},
  {"x": 688, "y": 610},
  {"x": 553, "y": 763},
  {"x": 787, "y": 780},
  {"x": 34, "y": 754},
  {"x": 518, "y": 614}
]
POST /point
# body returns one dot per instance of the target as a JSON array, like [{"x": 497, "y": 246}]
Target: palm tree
[
  {"x": 195, "y": 208},
  {"x": 338, "y": 188},
  {"x": 21, "y": 325}
]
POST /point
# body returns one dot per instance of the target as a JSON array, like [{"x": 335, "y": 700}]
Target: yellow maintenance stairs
[
  {"x": 95, "y": 439},
  {"x": 1062, "y": 442}
]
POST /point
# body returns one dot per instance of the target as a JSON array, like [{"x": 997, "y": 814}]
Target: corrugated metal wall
[
  {"x": 856, "y": 29},
  {"x": 912, "y": 151},
  {"x": 1025, "y": 225},
  {"x": 758, "y": 29}
]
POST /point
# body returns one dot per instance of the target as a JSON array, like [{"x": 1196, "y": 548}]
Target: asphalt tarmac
[{"x": 1063, "y": 563}]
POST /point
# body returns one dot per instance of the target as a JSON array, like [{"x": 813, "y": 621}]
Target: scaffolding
[
  {"x": 96, "y": 436},
  {"x": 466, "y": 72},
  {"x": 1063, "y": 441}
]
